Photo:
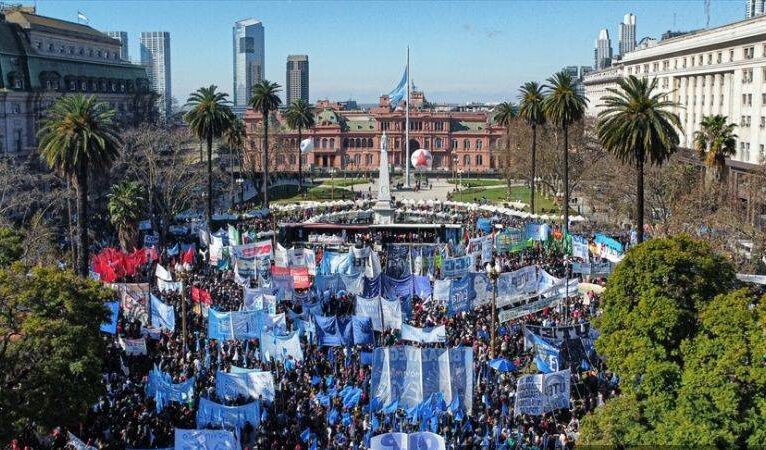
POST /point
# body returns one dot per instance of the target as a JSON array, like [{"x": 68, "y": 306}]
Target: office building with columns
[{"x": 708, "y": 72}]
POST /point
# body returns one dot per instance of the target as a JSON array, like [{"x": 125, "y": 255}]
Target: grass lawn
[
  {"x": 500, "y": 195},
  {"x": 289, "y": 194},
  {"x": 340, "y": 182},
  {"x": 477, "y": 183}
]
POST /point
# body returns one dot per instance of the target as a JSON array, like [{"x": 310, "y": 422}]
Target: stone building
[{"x": 42, "y": 58}]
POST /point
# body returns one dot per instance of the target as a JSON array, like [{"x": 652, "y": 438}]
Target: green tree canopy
[
  {"x": 126, "y": 207},
  {"x": 11, "y": 246},
  {"x": 689, "y": 351},
  {"x": 51, "y": 351}
]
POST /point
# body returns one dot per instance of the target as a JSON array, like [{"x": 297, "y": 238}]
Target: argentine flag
[
  {"x": 81, "y": 16},
  {"x": 399, "y": 92}
]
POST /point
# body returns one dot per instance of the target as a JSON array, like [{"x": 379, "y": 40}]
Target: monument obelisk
[{"x": 384, "y": 213}]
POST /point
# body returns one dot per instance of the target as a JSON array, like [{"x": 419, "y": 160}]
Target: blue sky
[{"x": 460, "y": 51}]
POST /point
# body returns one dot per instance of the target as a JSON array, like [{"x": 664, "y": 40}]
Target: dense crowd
[{"x": 125, "y": 417}]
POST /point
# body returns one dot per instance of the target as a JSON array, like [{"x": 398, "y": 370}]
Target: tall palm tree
[
  {"x": 531, "y": 110},
  {"x": 563, "y": 106},
  {"x": 126, "y": 205},
  {"x": 637, "y": 124},
  {"x": 209, "y": 117},
  {"x": 300, "y": 115},
  {"x": 234, "y": 138},
  {"x": 505, "y": 113},
  {"x": 78, "y": 137},
  {"x": 714, "y": 142},
  {"x": 265, "y": 99}
]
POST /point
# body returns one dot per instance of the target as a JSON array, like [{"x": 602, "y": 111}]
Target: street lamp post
[
  {"x": 241, "y": 184},
  {"x": 184, "y": 278},
  {"x": 493, "y": 271}
]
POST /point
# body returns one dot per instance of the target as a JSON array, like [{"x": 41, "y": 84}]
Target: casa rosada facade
[{"x": 464, "y": 142}]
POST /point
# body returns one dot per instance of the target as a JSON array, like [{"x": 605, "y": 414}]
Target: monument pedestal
[{"x": 384, "y": 213}]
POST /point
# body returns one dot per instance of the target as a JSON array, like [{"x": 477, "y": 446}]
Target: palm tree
[
  {"x": 563, "y": 106},
  {"x": 714, "y": 142},
  {"x": 300, "y": 115},
  {"x": 234, "y": 137},
  {"x": 637, "y": 125},
  {"x": 531, "y": 110},
  {"x": 126, "y": 205},
  {"x": 265, "y": 99},
  {"x": 208, "y": 118},
  {"x": 78, "y": 137},
  {"x": 505, "y": 113}
]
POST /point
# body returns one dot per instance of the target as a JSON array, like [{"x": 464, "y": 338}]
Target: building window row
[
  {"x": 62, "y": 49},
  {"x": 709, "y": 58}
]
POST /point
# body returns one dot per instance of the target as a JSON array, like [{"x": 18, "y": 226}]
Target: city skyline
[{"x": 357, "y": 54}]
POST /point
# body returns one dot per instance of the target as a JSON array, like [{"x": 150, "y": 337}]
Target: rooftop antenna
[
  {"x": 707, "y": 13},
  {"x": 674, "y": 21}
]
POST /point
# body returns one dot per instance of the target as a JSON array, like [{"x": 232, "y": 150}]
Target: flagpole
[{"x": 407, "y": 127}]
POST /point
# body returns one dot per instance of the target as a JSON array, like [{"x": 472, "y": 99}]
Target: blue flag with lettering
[{"x": 114, "y": 310}]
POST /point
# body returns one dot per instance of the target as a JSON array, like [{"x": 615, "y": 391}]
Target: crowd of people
[{"x": 125, "y": 417}]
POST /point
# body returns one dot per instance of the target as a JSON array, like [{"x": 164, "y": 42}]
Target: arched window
[
  {"x": 324, "y": 142},
  {"x": 478, "y": 144},
  {"x": 358, "y": 142},
  {"x": 454, "y": 144},
  {"x": 466, "y": 160},
  {"x": 369, "y": 142},
  {"x": 345, "y": 142},
  {"x": 478, "y": 160},
  {"x": 466, "y": 144},
  {"x": 316, "y": 142},
  {"x": 438, "y": 143},
  {"x": 292, "y": 159},
  {"x": 357, "y": 160},
  {"x": 332, "y": 142}
]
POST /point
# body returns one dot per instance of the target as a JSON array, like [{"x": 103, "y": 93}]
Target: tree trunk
[
  {"x": 81, "y": 185},
  {"x": 639, "y": 196},
  {"x": 566, "y": 177},
  {"x": 265, "y": 168},
  {"x": 534, "y": 170},
  {"x": 300, "y": 162},
  {"x": 72, "y": 244},
  {"x": 210, "y": 180}
]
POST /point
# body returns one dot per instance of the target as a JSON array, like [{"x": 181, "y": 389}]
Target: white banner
[
  {"x": 169, "y": 286},
  {"x": 162, "y": 273},
  {"x": 205, "y": 439},
  {"x": 424, "y": 440},
  {"x": 133, "y": 346},
  {"x": 370, "y": 307},
  {"x": 543, "y": 393},
  {"x": 250, "y": 384},
  {"x": 424, "y": 335},
  {"x": 392, "y": 313}
]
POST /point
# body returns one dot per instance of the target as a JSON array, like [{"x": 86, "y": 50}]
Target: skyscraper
[
  {"x": 603, "y": 51},
  {"x": 155, "y": 55},
  {"x": 754, "y": 8},
  {"x": 297, "y": 78},
  {"x": 121, "y": 36},
  {"x": 247, "y": 37},
  {"x": 627, "y": 34}
]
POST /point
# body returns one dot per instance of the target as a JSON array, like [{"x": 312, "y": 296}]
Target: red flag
[
  {"x": 188, "y": 256},
  {"x": 201, "y": 296},
  {"x": 151, "y": 254}
]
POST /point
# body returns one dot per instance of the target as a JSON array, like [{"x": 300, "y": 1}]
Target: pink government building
[{"x": 462, "y": 142}]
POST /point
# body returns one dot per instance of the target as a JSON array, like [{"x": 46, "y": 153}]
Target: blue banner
[
  {"x": 537, "y": 231},
  {"x": 335, "y": 331},
  {"x": 547, "y": 356},
  {"x": 460, "y": 294},
  {"x": 456, "y": 267},
  {"x": 255, "y": 385},
  {"x": 371, "y": 287},
  {"x": 211, "y": 413},
  {"x": 161, "y": 387},
  {"x": 114, "y": 310},
  {"x": 422, "y": 286},
  {"x": 370, "y": 307},
  {"x": 236, "y": 324},
  {"x": 394, "y": 288},
  {"x": 580, "y": 248},
  {"x": 204, "y": 439},
  {"x": 334, "y": 262},
  {"x": 399, "y": 263},
  {"x": 163, "y": 316},
  {"x": 409, "y": 375},
  {"x": 484, "y": 224},
  {"x": 280, "y": 347}
]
